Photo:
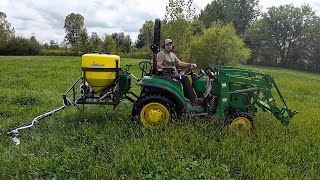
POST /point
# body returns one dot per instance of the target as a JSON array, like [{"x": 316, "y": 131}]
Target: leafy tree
[
  {"x": 83, "y": 42},
  {"x": 5, "y": 27},
  {"x": 180, "y": 33},
  {"x": 176, "y": 26},
  {"x": 96, "y": 42},
  {"x": 23, "y": 46},
  {"x": 6, "y": 32},
  {"x": 197, "y": 27},
  {"x": 212, "y": 12},
  {"x": 313, "y": 46},
  {"x": 109, "y": 44},
  {"x": 145, "y": 36},
  {"x": 17, "y": 46},
  {"x": 34, "y": 46},
  {"x": 241, "y": 13},
  {"x": 218, "y": 45},
  {"x": 279, "y": 36},
  {"x": 179, "y": 9},
  {"x": 123, "y": 42},
  {"x": 73, "y": 25}
]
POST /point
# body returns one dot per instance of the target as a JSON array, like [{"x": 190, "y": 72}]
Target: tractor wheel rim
[
  {"x": 241, "y": 124},
  {"x": 154, "y": 115}
]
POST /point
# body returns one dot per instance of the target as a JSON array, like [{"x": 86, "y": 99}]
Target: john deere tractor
[
  {"x": 226, "y": 92},
  {"x": 230, "y": 93}
]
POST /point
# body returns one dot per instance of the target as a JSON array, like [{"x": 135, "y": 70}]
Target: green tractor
[{"x": 228, "y": 93}]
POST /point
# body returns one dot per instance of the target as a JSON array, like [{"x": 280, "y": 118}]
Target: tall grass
[{"x": 102, "y": 142}]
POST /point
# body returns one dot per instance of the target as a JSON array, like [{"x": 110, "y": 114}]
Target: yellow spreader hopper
[{"x": 99, "y": 70}]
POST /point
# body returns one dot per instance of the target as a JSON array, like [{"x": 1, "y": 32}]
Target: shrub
[{"x": 218, "y": 45}]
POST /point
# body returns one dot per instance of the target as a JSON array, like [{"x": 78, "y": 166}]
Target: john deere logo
[{"x": 96, "y": 65}]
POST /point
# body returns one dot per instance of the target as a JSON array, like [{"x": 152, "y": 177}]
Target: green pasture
[{"x": 102, "y": 142}]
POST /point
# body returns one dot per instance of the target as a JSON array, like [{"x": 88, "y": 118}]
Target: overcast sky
[{"x": 45, "y": 18}]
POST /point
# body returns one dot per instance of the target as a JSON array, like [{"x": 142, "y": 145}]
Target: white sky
[{"x": 45, "y": 18}]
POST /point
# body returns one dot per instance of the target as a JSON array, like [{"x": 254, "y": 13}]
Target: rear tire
[{"x": 153, "y": 111}]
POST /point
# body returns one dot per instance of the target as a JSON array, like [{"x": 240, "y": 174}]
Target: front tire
[{"x": 241, "y": 122}]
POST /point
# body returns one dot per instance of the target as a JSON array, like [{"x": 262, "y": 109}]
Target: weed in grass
[
  {"x": 5, "y": 114},
  {"x": 25, "y": 100}
]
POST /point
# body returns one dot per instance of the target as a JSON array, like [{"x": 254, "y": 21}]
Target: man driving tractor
[{"x": 167, "y": 59}]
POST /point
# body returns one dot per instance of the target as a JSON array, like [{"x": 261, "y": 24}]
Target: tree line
[
  {"x": 11, "y": 45},
  {"x": 225, "y": 32},
  {"x": 231, "y": 31},
  {"x": 77, "y": 40}
]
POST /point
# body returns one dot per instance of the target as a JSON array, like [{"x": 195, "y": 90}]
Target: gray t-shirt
[{"x": 168, "y": 60}]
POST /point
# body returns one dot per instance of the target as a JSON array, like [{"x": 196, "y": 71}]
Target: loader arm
[
  {"x": 257, "y": 86},
  {"x": 283, "y": 114}
]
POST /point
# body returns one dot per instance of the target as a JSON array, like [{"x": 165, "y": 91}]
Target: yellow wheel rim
[
  {"x": 154, "y": 115},
  {"x": 241, "y": 124}
]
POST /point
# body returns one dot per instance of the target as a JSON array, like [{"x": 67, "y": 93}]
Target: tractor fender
[{"x": 178, "y": 99}]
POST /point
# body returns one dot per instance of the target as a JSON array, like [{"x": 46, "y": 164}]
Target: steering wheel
[
  {"x": 211, "y": 72},
  {"x": 200, "y": 75},
  {"x": 189, "y": 71},
  {"x": 144, "y": 66}
]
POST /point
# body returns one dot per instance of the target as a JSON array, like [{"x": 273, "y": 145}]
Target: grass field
[{"x": 102, "y": 142}]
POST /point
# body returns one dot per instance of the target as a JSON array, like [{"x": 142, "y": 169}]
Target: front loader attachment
[{"x": 253, "y": 89}]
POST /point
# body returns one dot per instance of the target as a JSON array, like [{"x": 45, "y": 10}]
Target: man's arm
[
  {"x": 159, "y": 61},
  {"x": 159, "y": 64},
  {"x": 182, "y": 64}
]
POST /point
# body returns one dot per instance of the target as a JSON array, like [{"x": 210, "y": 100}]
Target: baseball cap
[{"x": 167, "y": 41}]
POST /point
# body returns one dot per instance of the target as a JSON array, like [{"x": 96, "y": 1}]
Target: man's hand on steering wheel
[{"x": 190, "y": 69}]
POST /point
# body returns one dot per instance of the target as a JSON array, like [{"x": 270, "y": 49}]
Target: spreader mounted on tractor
[{"x": 229, "y": 93}]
